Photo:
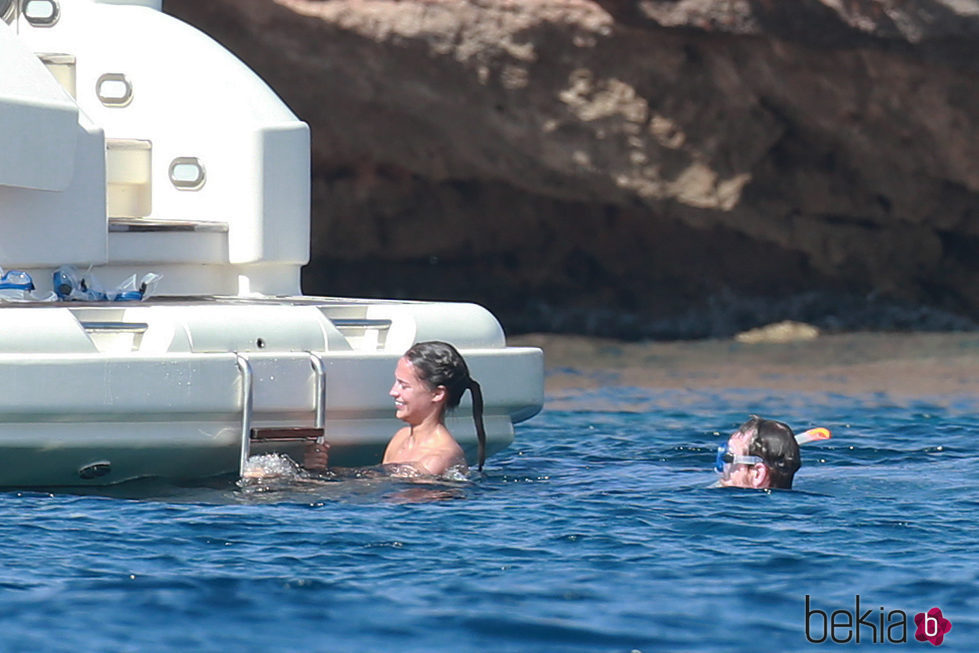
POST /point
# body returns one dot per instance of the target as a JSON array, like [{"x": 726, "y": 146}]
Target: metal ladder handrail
[
  {"x": 247, "y": 383},
  {"x": 247, "y": 398},
  {"x": 320, "y": 400}
]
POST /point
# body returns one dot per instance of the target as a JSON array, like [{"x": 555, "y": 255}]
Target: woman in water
[{"x": 429, "y": 379}]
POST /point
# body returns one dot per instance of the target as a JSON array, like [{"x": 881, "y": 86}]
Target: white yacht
[{"x": 133, "y": 145}]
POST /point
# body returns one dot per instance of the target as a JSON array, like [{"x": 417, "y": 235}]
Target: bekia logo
[
  {"x": 873, "y": 626},
  {"x": 932, "y": 626}
]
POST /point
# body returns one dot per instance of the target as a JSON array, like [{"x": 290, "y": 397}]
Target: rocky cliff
[{"x": 645, "y": 168}]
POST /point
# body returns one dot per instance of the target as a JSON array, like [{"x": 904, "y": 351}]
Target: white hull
[{"x": 99, "y": 394}]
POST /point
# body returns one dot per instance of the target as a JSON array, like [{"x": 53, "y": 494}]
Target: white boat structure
[{"x": 131, "y": 143}]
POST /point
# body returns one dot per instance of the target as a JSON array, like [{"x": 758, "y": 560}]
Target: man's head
[{"x": 762, "y": 453}]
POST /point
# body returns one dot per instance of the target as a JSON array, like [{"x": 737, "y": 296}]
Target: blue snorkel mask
[{"x": 725, "y": 457}]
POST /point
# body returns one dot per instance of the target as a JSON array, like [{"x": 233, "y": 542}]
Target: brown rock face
[{"x": 638, "y": 168}]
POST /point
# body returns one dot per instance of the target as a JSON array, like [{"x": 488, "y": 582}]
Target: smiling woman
[{"x": 429, "y": 379}]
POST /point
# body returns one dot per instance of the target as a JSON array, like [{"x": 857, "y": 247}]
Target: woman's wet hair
[
  {"x": 440, "y": 364},
  {"x": 774, "y": 442}
]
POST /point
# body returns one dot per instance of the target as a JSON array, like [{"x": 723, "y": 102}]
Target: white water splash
[{"x": 272, "y": 465}]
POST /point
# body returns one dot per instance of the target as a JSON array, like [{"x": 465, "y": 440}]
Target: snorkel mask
[{"x": 725, "y": 458}]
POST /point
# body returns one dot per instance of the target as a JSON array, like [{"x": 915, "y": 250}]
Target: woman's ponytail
[{"x": 477, "y": 394}]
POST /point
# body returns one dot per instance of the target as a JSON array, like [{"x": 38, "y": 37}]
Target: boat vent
[
  {"x": 363, "y": 334},
  {"x": 187, "y": 173},
  {"x": 115, "y": 337},
  {"x": 97, "y": 469},
  {"x": 114, "y": 90},
  {"x": 41, "y": 13}
]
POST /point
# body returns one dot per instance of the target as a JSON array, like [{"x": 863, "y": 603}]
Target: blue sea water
[{"x": 595, "y": 531}]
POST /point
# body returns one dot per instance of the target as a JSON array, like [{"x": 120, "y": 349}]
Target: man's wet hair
[{"x": 774, "y": 442}]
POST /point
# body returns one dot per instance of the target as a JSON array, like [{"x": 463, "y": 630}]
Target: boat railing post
[
  {"x": 245, "y": 368},
  {"x": 320, "y": 399}
]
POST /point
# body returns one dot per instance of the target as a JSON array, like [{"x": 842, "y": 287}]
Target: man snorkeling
[{"x": 763, "y": 453}]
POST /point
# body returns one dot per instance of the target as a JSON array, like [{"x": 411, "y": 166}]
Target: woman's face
[{"x": 414, "y": 401}]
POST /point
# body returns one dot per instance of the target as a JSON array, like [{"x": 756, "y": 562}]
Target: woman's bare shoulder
[
  {"x": 401, "y": 434},
  {"x": 394, "y": 444}
]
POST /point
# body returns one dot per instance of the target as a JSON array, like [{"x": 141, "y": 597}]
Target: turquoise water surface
[{"x": 595, "y": 531}]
